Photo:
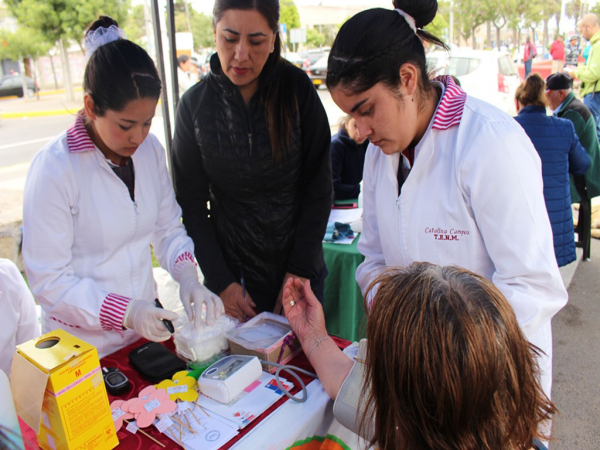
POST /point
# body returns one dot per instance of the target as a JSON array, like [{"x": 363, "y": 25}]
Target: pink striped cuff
[
  {"x": 112, "y": 312},
  {"x": 65, "y": 323},
  {"x": 452, "y": 105},
  {"x": 184, "y": 260}
]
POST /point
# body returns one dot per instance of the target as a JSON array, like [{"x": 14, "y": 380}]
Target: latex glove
[
  {"x": 191, "y": 291},
  {"x": 146, "y": 319}
]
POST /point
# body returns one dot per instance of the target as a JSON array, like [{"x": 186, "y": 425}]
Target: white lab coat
[
  {"x": 473, "y": 199},
  {"x": 18, "y": 321},
  {"x": 84, "y": 238}
]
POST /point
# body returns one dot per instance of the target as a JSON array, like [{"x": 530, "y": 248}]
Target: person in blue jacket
[
  {"x": 348, "y": 149},
  {"x": 561, "y": 153}
]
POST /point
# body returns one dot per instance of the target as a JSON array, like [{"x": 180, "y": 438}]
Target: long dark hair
[
  {"x": 458, "y": 373},
  {"x": 279, "y": 100},
  {"x": 372, "y": 45},
  {"x": 119, "y": 72}
]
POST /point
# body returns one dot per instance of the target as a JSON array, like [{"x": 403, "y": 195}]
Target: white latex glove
[
  {"x": 146, "y": 319},
  {"x": 192, "y": 291}
]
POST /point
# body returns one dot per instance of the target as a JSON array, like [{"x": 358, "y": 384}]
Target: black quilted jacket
[{"x": 265, "y": 218}]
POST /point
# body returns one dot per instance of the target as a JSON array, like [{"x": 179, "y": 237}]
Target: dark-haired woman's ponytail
[
  {"x": 423, "y": 11},
  {"x": 104, "y": 22}
]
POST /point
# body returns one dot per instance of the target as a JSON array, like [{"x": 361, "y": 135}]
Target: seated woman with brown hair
[{"x": 444, "y": 366}]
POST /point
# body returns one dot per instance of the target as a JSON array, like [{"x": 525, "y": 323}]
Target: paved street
[
  {"x": 576, "y": 335},
  {"x": 20, "y": 139},
  {"x": 23, "y": 136}
]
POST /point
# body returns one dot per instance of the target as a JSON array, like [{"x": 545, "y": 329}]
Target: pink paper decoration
[
  {"x": 119, "y": 413},
  {"x": 151, "y": 402}
]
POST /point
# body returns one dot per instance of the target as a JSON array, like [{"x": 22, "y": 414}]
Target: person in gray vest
[{"x": 572, "y": 52}]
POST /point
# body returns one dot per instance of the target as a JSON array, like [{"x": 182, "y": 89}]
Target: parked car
[
  {"x": 318, "y": 71},
  {"x": 12, "y": 85},
  {"x": 437, "y": 61},
  {"x": 294, "y": 58},
  {"x": 313, "y": 55},
  {"x": 488, "y": 75}
]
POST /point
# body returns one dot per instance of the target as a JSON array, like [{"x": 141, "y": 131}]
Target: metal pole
[
  {"x": 161, "y": 71},
  {"x": 173, "y": 51}
]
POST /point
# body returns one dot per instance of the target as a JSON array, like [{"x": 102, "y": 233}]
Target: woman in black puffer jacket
[{"x": 252, "y": 140}]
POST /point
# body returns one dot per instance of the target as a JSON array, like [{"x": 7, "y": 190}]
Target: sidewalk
[
  {"x": 576, "y": 361},
  {"x": 49, "y": 104}
]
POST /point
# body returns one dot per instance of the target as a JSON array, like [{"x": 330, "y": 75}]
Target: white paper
[
  {"x": 132, "y": 427},
  {"x": 163, "y": 424},
  {"x": 177, "y": 389},
  {"x": 116, "y": 413},
  {"x": 248, "y": 405},
  {"x": 345, "y": 215},
  {"x": 182, "y": 406},
  {"x": 211, "y": 434},
  {"x": 151, "y": 405}
]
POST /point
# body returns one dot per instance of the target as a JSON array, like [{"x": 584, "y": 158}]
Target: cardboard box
[
  {"x": 59, "y": 391},
  {"x": 280, "y": 349}
]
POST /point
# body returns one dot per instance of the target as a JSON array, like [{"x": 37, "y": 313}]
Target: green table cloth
[
  {"x": 343, "y": 303},
  {"x": 350, "y": 201}
]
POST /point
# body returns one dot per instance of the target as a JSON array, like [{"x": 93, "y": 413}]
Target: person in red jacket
[
  {"x": 528, "y": 55},
  {"x": 557, "y": 50}
]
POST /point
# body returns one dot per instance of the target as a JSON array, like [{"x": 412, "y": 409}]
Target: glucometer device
[
  {"x": 227, "y": 378},
  {"x": 116, "y": 382}
]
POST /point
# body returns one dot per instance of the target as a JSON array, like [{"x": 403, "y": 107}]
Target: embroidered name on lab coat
[{"x": 442, "y": 234}]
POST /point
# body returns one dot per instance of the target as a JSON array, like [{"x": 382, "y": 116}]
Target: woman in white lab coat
[
  {"x": 96, "y": 198},
  {"x": 448, "y": 179},
  {"x": 18, "y": 321}
]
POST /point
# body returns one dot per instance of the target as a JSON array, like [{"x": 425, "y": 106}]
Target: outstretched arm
[{"x": 305, "y": 314}]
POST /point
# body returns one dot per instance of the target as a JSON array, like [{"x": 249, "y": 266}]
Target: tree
[
  {"x": 314, "y": 38},
  {"x": 61, "y": 20},
  {"x": 501, "y": 16},
  {"x": 202, "y": 28},
  {"x": 575, "y": 10},
  {"x": 135, "y": 26},
  {"x": 438, "y": 27},
  {"x": 288, "y": 15},
  {"x": 23, "y": 43},
  {"x": 471, "y": 14},
  {"x": 550, "y": 8}
]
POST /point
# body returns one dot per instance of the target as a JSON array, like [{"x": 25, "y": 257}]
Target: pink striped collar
[
  {"x": 78, "y": 138},
  {"x": 452, "y": 105}
]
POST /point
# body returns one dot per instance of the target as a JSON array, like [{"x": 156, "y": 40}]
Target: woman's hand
[
  {"x": 304, "y": 311},
  {"x": 236, "y": 305},
  {"x": 278, "y": 304}
]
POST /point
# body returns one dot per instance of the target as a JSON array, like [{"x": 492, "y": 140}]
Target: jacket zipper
[
  {"x": 136, "y": 222},
  {"x": 252, "y": 161}
]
